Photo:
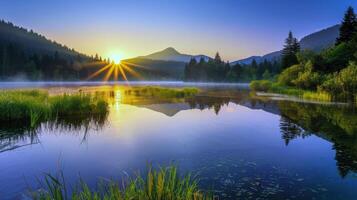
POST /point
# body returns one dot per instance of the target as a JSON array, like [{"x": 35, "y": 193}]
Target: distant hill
[
  {"x": 320, "y": 40},
  {"x": 270, "y": 57},
  {"x": 171, "y": 54},
  {"x": 31, "y": 42},
  {"x": 316, "y": 42},
  {"x": 27, "y": 55}
]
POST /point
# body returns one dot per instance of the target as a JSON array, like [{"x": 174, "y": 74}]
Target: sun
[{"x": 116, "y": 59}]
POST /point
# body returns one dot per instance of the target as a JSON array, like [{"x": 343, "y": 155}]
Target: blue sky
[{"x": 236, "y": 29}]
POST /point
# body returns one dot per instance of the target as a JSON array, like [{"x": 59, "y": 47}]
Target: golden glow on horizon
[
  {"x": 116, "y": 58},
  {"x": 113, "y": 71}
]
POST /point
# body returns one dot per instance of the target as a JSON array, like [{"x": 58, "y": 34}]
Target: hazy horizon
[{"x": 237, "y": 29}]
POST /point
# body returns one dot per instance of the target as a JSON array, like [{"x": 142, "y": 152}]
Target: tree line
[{"x": 216, "y": 70}]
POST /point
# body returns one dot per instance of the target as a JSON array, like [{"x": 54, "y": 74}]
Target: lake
[{"x": 241, "y": 146}]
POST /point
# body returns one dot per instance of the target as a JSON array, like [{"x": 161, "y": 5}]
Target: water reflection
[
  {"x": 241, "y": 145},
  {"x": 336, "y": 124},
  {"x": 17, "y": 135}
]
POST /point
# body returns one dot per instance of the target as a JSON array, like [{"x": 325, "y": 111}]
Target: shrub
[
  {"x": 308, "y": 79},
  {"x": 262, "y": 85},
  {"x": 342, "y": 84},
  {"x": 288, "y": 75}
]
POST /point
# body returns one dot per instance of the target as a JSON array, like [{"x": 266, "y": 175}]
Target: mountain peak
[
  {"x": 171, "y": 54},
  {"x": 170, "y": 50}
]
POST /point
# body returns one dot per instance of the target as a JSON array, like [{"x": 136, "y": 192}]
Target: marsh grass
[
  {"x": 161, "y": 184},
  {"x": 268, "y": 86},
  {"x": 162, "y": 92},
  {"x": 32, "y": 107}
]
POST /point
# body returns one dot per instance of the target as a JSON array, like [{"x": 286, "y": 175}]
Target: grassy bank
[
  {"x": 35, "y": 106},
  {"x": 162, "y": 184},
  {"x": 162, "y": 91},
  {"x": 268, "y": 86}
]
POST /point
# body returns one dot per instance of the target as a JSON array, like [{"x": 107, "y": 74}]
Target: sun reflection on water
[{"x": 117, "y": 99}]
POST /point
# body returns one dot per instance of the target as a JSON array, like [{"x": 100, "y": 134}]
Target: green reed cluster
[
  {"x": 268, "y": 86},
  {"x": 161, "y": 184},
  {"x": 32, "y": 107},
  {"x": 163, "y": 92}
]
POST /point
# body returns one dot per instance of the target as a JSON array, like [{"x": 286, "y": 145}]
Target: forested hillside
[{"x": 26, "y": 55}]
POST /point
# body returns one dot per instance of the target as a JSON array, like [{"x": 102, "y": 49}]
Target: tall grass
[
  {"x": 162, "y": 92},
  {"x": 268, "y": 86},
  {"x": 32, "y": 107},
  {"x": 320, "y": 96},
  {"x": 161, "y": 184}
]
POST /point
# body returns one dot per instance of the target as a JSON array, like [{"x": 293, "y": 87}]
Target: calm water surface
[{"x": 244, "y": 147}]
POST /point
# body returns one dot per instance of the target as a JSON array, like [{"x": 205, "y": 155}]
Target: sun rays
[{"x": 117, "y": 70}]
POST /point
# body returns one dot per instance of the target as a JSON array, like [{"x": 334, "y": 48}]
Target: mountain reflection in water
[{"x": 336, "y": 124}]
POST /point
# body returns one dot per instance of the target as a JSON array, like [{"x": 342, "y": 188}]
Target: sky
[{"x": 235, "y": 28}]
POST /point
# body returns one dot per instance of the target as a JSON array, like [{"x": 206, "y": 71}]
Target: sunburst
[{"x": 116, "y": 70}]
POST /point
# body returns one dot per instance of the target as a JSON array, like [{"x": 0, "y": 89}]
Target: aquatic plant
[
  {"x": 161, "y": 184},
  {"x": 162, "y": 92},
  {"x": 32, "y": 107},
  {"x": 267, "y": 86}
]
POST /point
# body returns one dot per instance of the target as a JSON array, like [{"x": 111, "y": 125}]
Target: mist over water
[{"x": 35, "y": 84}]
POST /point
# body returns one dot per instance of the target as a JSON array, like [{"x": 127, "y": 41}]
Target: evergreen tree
[
  {"x": 217, "y": 58},
  {"x": 348, "y": 26},
  {"x": 266, "y": 75},
  {"x": 291, "y": 47}
]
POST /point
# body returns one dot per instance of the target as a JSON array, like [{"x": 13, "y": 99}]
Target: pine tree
[
  {"x": 217, "y": 58},
  {"x": 348, "y": 26},
  {"x": 291, "y": 47}
]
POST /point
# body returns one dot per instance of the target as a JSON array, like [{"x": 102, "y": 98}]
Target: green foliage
[
  {"x": 342, "y": 84},
  {"x": 268, "y": 86},
  {"x": 337, "y": 58},
  {"x": 162, "y": 184},
  {"x": 266, "y": 75},
  {"x": 34, "y": 106},
  {"x": 305, "y": 56},
  {"x": 261, "y": 85},
  {"x": 290, "y": 74},
  {"x": 307, "y": 79},
  {"x": 319, "y": 96},
  {"x": 162, "y": 92},
  {"x": 76, "y": 104},
  {"x": 331, "y": 74}
]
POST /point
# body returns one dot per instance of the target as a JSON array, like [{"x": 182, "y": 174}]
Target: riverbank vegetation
[
  {"x": 328, "y": 75},
  {"x": 162, "y": 92},
  {"x": 164, "y": 183},
  {"x": 32, "y": 107}
]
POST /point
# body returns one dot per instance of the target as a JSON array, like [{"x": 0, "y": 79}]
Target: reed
[
  {"x": 267, "y": 86},
  {"x": 161, "y": 184},
  {"x": 32, "y": 107},
  {"x": 162, "y": 92}
]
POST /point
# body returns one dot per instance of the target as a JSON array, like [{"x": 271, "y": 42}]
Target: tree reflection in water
[{"x": 336, "y": 124}]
